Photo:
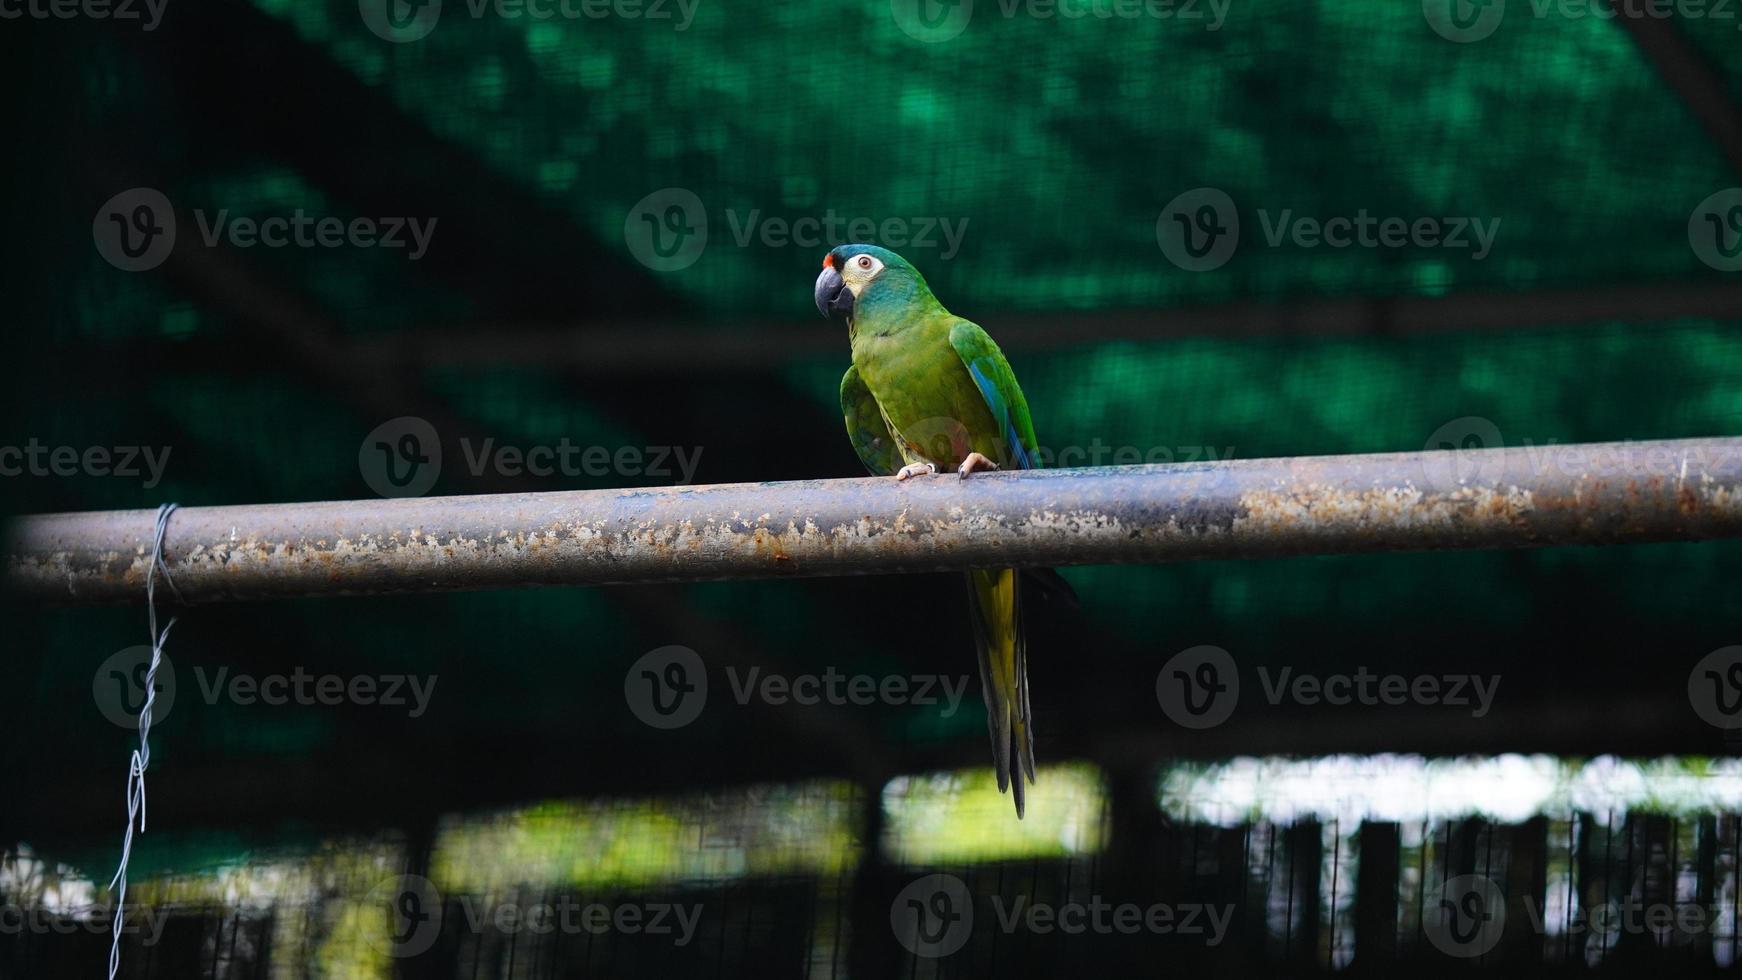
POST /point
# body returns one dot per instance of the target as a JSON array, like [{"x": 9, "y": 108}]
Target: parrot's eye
[{"x": 867, "y": 264}]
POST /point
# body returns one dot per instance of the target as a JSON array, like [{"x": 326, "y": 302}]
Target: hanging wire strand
[{"x": 141, "y": 759}]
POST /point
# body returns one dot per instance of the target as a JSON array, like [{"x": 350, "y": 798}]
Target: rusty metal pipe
[{"x": 1603, "y": 493}]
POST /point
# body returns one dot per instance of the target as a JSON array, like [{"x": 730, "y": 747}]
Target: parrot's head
[{"x": 860, "y": 280}]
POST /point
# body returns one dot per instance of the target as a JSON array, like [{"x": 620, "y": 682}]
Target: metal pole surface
[{"x": 1515, "y": 497}]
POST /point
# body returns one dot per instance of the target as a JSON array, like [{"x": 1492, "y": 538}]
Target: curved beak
[{"x": 833, "y": 296}]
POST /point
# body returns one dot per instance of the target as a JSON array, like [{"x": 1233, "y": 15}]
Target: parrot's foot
[
  {"x": 975, "y": 461},
  {"x": 916, "y": 469}
]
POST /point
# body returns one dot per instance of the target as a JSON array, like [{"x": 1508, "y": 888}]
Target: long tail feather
[{"x": 995, "y": 610}]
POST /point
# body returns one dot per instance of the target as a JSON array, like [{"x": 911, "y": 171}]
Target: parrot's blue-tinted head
[{"x": 855, "y": 276}]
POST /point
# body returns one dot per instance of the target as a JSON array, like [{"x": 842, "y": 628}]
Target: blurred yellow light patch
[
  {"x": 957, "y": 817},
  {"x": 806, "y": 828}
]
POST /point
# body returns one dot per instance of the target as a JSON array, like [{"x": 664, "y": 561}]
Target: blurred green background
[{"x": 1053, "y": 146}]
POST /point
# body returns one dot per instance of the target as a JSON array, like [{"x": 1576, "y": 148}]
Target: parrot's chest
[{"x": 927, "y": 397}]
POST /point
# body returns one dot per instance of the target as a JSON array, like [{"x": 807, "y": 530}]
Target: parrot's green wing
[
  {"x": 997, "y": 384},
  {"x": 866, "y": 427}
]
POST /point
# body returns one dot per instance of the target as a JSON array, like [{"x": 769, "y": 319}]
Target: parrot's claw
[
  {"x": 916, "y": 469},
  {"x": 975, "y": 461}
]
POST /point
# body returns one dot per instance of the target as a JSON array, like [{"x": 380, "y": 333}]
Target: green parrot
[{"x": 929, "y": 390}]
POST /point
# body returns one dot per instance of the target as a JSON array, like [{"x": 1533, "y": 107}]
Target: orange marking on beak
[{"x": 829, "y": 261}]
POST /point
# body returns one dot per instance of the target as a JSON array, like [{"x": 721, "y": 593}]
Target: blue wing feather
[
  {"x": 998, "y": 389},
  {"x": 1000, "y": 412}
]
